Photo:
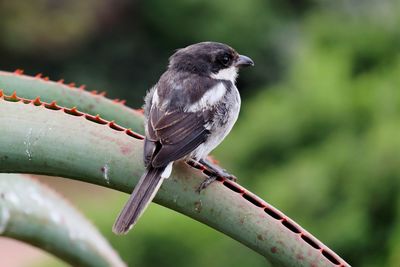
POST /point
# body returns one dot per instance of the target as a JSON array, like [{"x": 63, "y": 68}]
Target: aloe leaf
[
  {"x": 68, "y": 95},
  {"x": 31, "y": 212},
  {"x": 39, "y": 140}
]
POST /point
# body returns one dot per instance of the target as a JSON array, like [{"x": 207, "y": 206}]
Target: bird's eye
[{"x": 225, "y": 59}]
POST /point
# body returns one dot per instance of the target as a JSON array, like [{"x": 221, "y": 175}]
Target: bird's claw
[
  {"x": 227, "y": 175},
  {"x": 210, "y": 179},
  {"x": 215, "y": 172}
]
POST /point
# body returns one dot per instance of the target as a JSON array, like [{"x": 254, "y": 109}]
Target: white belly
[{"x": 222, "y": 125}]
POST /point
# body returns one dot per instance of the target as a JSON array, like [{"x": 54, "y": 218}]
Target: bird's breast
[{"x": 224, "y": 116}]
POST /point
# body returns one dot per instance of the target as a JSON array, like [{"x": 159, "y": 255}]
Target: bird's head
[{"x": 216, "y": 60}]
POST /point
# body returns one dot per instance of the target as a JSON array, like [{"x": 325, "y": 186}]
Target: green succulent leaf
[
  {"x": 67, "y": 95},
  {"x": 33, "y": 213}
]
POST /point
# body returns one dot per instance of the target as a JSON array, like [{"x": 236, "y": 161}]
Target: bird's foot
[
  {"x": 216, "y": 172},
  {"x": 224, "y": 174}
]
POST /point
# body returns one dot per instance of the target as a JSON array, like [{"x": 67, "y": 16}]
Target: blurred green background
[{"x": 318, "y": 135}]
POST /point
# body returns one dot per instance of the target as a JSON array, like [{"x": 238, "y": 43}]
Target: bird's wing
[{"x": 173, "y": 134}]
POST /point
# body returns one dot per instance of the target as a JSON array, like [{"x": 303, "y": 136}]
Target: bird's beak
[{"x": 243, "y": 61}]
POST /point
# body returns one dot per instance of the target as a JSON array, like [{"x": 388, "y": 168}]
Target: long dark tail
[{"x": 140, "y": 198}]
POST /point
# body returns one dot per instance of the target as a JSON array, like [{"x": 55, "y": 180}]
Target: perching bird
[{"x": 187, "y": 114}]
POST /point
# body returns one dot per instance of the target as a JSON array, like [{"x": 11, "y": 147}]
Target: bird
[{"x": 188, "y": 113}]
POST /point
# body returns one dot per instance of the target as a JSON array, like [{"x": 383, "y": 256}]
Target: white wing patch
[
  {"x": 229, "y": 74},
  {"x": 210, "y": 98},
  {"x": 155, "y": 100},
  {"x": 168, "y": 170}
]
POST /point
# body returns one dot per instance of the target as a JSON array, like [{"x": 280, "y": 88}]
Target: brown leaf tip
[
  {"x": 37, "y": 101},
  {"x": 19, "y": 71}
]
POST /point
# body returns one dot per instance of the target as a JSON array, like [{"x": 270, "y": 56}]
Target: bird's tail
[{"x": 140, "y": 198}]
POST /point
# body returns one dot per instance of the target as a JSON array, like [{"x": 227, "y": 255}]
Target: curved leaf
[
  {"x": 33, "y": 213},
  {"x": 70, "y": 96}
]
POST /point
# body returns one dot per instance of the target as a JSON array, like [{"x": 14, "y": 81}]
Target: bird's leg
[{"x": 216, "y": 172}]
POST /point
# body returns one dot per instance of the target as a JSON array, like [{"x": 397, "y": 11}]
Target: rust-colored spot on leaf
[
  {"x": 95, "y": 119},
  {"x": 274, "y": 250},
  {"x": 115, "y": 126},
  {"x": 37, "y": 101},
  {"x": 122, "y": 102},
  {"x": 1, "y": 93},
  {"x": 73, "y": 111},
  {"x": 12, "y": 98},
  {"x": 46, "y": 78},
  {"x": 133, "y": 134},
  {"x": 71, "y": 84},
  {"x": 126, "y": 149},
  {"x": 52, "y": 105},
  {"x": 82, "y": 87},
  {"x": 39, "y": 75},
  {"x": 19, "y": 71},
  {"x": 61, "y": 81}
]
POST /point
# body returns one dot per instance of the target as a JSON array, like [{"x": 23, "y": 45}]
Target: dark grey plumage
[{"x": 187, "y": 114}]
